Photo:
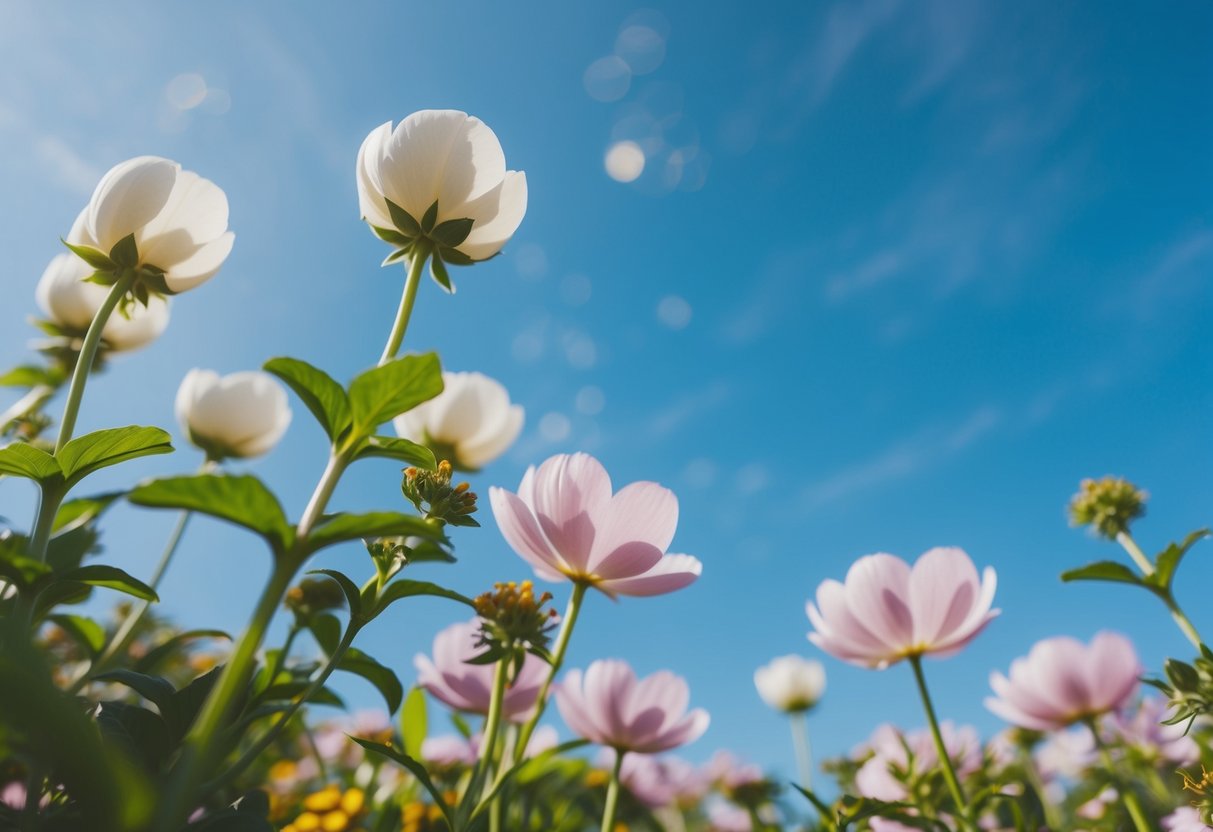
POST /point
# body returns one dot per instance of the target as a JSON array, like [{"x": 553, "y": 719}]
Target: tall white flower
[
  {"x": 471, "y": 422},
  {"x": 177, "y": 221},
  {"x": 438, "y": 180},
  {"x": 70, "y": 303},
  {"x": 791, "y": 683},
  {"x": 238, "y": 415}
]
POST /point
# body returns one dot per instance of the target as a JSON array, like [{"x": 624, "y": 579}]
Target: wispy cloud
[
  {"x": 684, "y": 407},
  {"x": 1180, "y": 270},
  {"x": 902, "y": 460}
]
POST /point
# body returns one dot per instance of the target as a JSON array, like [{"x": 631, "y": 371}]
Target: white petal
[
  {"x": 411, "y": 163},
  {"x": 128, "y": 197},
  {"x": 370, "y": 198},
  {"x": 145, "y": 324},
  {"x": 196, "y": 213},
  {"x": 485, "y": 448},
  {"x": 202, "y": 266},
  {"x": 474, "y": 166},
  {"x": 497, "y": 216}
]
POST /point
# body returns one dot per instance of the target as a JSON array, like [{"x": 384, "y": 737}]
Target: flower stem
[
  {"x": 612, "y": 795},
  {"x": 88, "y": 352},
  {"x": 1181, "y": 620},
  {"x": 50, "y": 497},
  {"x": 1139, "y": 557},
  {"x": 949, "y": 771},
  {"x": 263, "y": 742},
  {"x": 416, "y": 264},
  {"x": 800, "y": 740},
  {"x": 1032, "y": 772},
  {"x": 561, "y": 647},
  {"x": 126, "y": 632},
  {"x": 1127, "y": 796},
  {"x": 27, "y": 404},
  {"x": 492, "y": 723}
]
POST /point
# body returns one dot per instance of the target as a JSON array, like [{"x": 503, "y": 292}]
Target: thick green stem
[
  {"x": 88, "y": 353},
  {"x": 50, "y": 497},
  {"x": 612, "y": 795},
  {"x": 199, "y": 754},
  {"x": 263, "y": 742},
  {"x": 800, "y": 740},
  {"x": 492, "y": 723},
  {"x": 416, "y": 265},
  {"x": 949, "y": 771},
  {"x": 1127, "y": 796},
  {"x": 558, "y": 651}
]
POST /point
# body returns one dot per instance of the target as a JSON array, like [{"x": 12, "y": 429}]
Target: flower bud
[
  {"x": 313, "y": 595},
  {"x": 790, "y": 683},
  {"x": 1108, "y": 505},
  {"x": 239, "y": 415},
  {"x": 471, "y": 422},
  {"x": 176, "y": 220},
  {"x": 431, "y": 493},
  {"x": 70, "y": 302}
]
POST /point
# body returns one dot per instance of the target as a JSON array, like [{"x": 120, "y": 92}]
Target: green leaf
[
  {"x": 125, "y": 252},
  {"x": 87, "y": 633},
  {"x": 396, "y": 590},
  {"x": 155, "y": 689},
  {"x": 455, "y": 257},
  {"x": 327, "y": 631},
  {"x": 391, "y": 235},
  {"x": 818, "y": 804},
  {"x": 338, "y": 528},
  {"x": 1169, "y": 558},
  {"x": 1182, "y": 675},
  {"x": 100, "y": 449},
  {"x": 414, "y": 722},
  {"x": 394, "y": 447},
  {"x": 59, "y": 593},
  {"x": 385, "y": 392},
  {"x": 415, "y": 768},
  {"x": 23, "y": 460},
  {"x": 161, "y": 652},
  {"x": 385, "y": 681},
  {"x": 1104, "y": 570},
  {"x": 429, "y": 218},
  {"x": 29, "y": 375},
  {"x": 323, "y": 396},
  {"x": 353, "y": 595},
  {"x": 110, "y": 577},
  {"x": 403, "y": 220},
  {"x": 240, "y": 499},
  {"x": 441, "y": 276},
  {"x": 94, "y": 257},
  {"x": 397, "y": 255},
  {"x": 80, "y": 512},
  {"x": 452, "y": 232}
]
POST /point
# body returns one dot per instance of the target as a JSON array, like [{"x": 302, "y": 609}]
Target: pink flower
[
  {"x": 885, "y": 774},
  {"x": 1144, "y": 729},
  {"x": 725, "y": 818},
  {"x": 658, "y": 781},
  {"x": 609, "y": 706},
  {"x": 450, "y": 751},
  {"x": 565, "y": 522},
  {"x": 887, "y": 610},
  {"x": 1185, "y": 819},
  {"x": 1062, "y": 681},
  {"x": 469, "y": 687}
]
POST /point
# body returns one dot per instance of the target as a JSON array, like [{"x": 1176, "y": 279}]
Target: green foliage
[
  {"x": 384, "y": 392},
  {"x": 324, "y": 397},
  {"x": 414, "y": 722},
  {"x": 337, "y": 528}
]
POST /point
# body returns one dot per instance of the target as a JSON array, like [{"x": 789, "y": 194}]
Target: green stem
[
  {"x": 1139, "y": 557},
  {"x": 126, "y": 632},
  {"x": 949, "y": 771},
  {"x": 1051, "y": 817},
  {"x": 612, "y": 795},
  {"x": 800, "y": 740},
  {"x": 88, "y": 353},
  {"x": 416, "y": 264},
  {"x": 1181, "y": 620},
  {"x": 1127, "y": 796},
  {"x": 199, "y": 754},
  {"x": 561, "y": 647},
  {"x": 263, "y": 742},
  {"x": 50, "y": 497},
  {"x": 492, "y": 723},
  {"x": 31, "y": 401}
]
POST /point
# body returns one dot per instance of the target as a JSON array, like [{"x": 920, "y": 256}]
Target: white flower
[
  {"x": 179, "y": 220},
  {"x": 471, "y": 422},
  {"x": 71, "y": 302},
  {"x": 451, "y": 159},
  {"x": 791, "y": 683},
  {"x": 238, "y": 415}
]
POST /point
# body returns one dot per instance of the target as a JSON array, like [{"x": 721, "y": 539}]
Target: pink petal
[
  {"x": 521, "y": 530},
  {"x": 943, "y": 590},
  {"x": 671, "y": 573},
  {"x": 571, "y": 493},
  {"x": 608, "y": 688},
  {"x": 637, "y": 527},
  {"x": 1112, "y": 671},
  {"x": 877, "y": 591}
]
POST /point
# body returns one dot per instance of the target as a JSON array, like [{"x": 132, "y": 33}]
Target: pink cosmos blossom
[
  {"x": 1185, "y": 819},
  {"x": 727, "y": 772},
  {"x": 450, "y": 751},
  {"x": 877, "y": 779},
  {"x": 658, "y": 781},
  {"x": 1143, "y": 729},
  {"x": 610, "y": 706},
  {"x": 887, "y": 610},
  {"x": 565, "y": 523},
  {"x": 1062, "y": 681},
  {"x": 723, "y": 817},
  {"x": 469, "y": 687},
  {"x": 1065, "y": 755}
]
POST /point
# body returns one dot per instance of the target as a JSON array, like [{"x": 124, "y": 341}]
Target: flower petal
[
  {"x": 128, "y": 197},
  {"x": 671, "y": 573},
  {"x": 497, "y": 215},
  {"x": 475, "y": 165},
  {"x": 521, "y": 530},
  {"x": 202, "y": 265}
]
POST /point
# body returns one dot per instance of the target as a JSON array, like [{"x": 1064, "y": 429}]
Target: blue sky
[{"x": 895, "y": 275}]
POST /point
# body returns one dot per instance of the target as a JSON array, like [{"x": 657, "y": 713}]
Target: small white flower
[
  {"x": 178, "y": 219},
  {"x": 447, "y": 158},
  {"x": 791, "y": 683},
  {"x": 70, "y": 302},
  {"x": 471, "y": 422},
  {"x": 238, "y": 415}
]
